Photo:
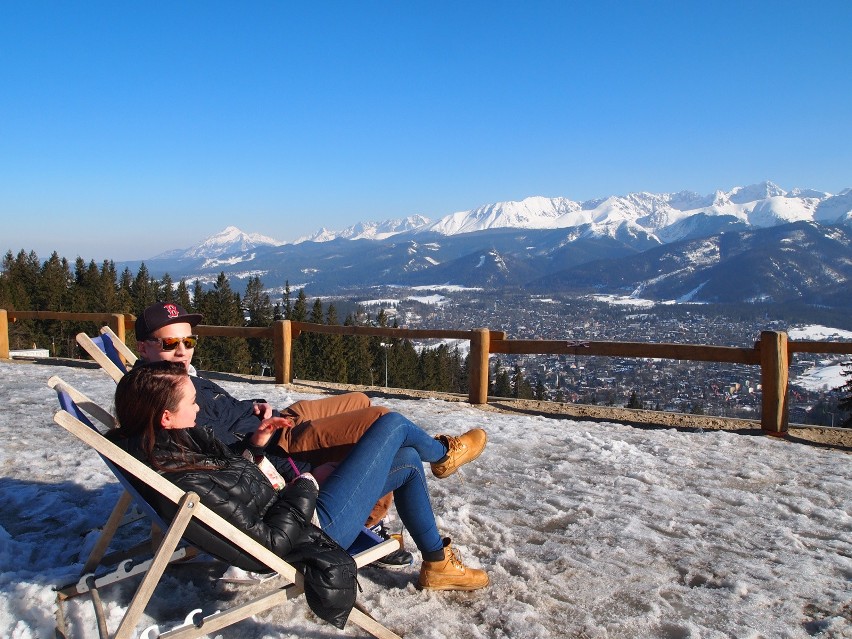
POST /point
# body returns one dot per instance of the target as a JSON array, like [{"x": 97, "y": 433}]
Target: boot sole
[{"x": 459, "y": 588}]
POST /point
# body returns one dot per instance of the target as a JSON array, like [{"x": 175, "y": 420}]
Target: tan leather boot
[
  {"x": 461, "y": 450},
  {"x": 450, "y": 573}
]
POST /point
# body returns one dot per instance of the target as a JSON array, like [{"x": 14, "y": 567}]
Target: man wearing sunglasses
[{"x": 308, "y": 434}]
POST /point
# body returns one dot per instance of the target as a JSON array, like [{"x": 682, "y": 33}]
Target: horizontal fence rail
[{"x": 771, "y": 352}]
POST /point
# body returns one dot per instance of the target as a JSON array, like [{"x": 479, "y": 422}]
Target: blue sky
[{"x": 130, "y": 128}]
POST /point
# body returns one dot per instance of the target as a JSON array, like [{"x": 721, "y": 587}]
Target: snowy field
[{"x": 587, "y": 530}]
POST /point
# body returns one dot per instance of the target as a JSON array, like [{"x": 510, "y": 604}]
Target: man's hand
[
  {"x": 262, "y": 410},
  {"x": 267, "y": 427}
]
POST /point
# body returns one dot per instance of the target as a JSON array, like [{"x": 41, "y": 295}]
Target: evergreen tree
[
  {"x": 125, "y": 292},
  {"x": 142, "y": 292},
  {"x": 404, "y": 361},
  {"x": 540, "y": 391},
  {"x": 502, "y": 383},
  {"x": 359, "y": 363},
  {"x": 299, "y": 355},
  {"x": 521, "y": 388},
  {"x": 55, "y": 285},
  {"x": 21, "y": 273},
  {"x": 313, "y": 344},
  {"x": 85, "y": 288},
  {"x": 288, "y": 307},
  {"x": 221, "y": 307},
  {"x": 182, "y": 295},
  {"x": 259, "y": 308},
  {"x": 333, "y": 359},
  {"x": 167, "y": 290},
  {"x": 634, "y": 401},
  {"x": 197, "y": 299},
  {"x": 108, "y": 288}
]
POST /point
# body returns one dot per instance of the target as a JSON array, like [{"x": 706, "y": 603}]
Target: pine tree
[
  {"x": 502, "y": 383},
  {"x": 197, "y": 299},
  {"x": 167, "y": 289},
  {"x": 334, "y": 359},
  {"x": 259, "y": 309},
  {"x": 288, "y": 307},
  {"x": 521, "y": 388},
  {"x": 313, "y": 344},
  {"x": 108, "y": 288},
  {"x": 299, "y": 354},
  {"x": 142, "y": 292},
  {"x": 359, "y": 362},
  {"x": 634, "y": 402},
  {"x": 125, "y": 295},
  {"x": 55, "y": 285},
  {"x": 182, "y": 295},
  {"x": 221, "y": 307}
]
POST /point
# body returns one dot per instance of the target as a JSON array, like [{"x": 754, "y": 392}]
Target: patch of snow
[{"x": 611, "y": 531}]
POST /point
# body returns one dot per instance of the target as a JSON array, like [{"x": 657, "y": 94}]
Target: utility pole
[{"x": 385, "y": 346}]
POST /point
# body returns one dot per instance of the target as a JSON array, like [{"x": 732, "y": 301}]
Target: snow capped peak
[
  {"x": 744, "y": 194},
  {"x": 229, "y": 240},
  {"x": 369, "y": 230},
  {"x": 531, "y": 213}
]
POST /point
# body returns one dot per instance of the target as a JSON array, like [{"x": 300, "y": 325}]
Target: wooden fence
[{"x": 772, "y": 352}]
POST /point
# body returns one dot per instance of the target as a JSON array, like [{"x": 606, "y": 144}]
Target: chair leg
[
  {"x": 360, "y": 617},
  {"x": 108, "y": 532},
  {"x": 158, "y": 566}
]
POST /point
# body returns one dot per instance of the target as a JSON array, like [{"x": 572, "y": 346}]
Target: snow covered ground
[{"x": 587, "y": 530}]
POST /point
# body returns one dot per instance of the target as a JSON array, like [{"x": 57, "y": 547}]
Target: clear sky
[{"x": 130, "y": 128}]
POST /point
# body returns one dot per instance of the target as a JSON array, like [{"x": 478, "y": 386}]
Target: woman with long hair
[{"x": 156, "y": 410}]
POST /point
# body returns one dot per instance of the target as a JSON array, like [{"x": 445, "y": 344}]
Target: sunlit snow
[{"x": 587, "y": 529}]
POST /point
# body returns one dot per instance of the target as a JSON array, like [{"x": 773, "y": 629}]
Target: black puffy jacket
[{"x": 236, "y": 489}]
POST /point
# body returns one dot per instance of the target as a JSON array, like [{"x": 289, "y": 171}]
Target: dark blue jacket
[{"x": 233, "y": 420}]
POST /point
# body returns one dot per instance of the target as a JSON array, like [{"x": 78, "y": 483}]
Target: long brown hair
[{"x": 141, "y": 398}]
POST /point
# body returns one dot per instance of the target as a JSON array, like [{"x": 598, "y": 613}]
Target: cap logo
[{"x": 171, "y": 310}]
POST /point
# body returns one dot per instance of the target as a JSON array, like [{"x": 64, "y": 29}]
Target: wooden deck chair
[
  {"x": 108, "y": 351},
  {"x": 189, "y": 506},
  {"x": 124, "y": 563}
]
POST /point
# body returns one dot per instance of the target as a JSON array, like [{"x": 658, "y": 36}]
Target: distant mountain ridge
[
  {"x": 679, "y": 246},
  {"x": 668, "y": 216}
]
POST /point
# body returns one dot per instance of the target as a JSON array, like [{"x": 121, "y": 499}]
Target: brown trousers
[{"x": 325, "y": 430}]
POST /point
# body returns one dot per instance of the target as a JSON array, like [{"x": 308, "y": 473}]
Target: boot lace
[
  {"x": 455, "y": 558},
  {"x": 454, "y": 445}
]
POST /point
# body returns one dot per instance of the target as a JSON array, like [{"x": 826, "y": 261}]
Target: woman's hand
[{"x": 267, "y": 427}]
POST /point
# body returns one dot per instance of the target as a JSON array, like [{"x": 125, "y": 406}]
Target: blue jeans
[{"x": 389, "y": 457}]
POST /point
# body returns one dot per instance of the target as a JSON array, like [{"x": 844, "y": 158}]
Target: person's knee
[
  {"x": 359, "y": 398},
  {"x": 378, "y": 411},
  {"x": 389, "y": 420}
]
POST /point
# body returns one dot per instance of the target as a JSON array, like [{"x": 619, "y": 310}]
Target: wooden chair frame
[
  {"x": 189, "y": 507},
  {"x": 108, "y": 351}
]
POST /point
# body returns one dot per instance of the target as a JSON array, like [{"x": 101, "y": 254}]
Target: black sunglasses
[{"x": 170, "y": 343}]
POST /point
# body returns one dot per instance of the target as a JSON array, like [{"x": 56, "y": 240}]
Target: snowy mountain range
[
  {"x": 675, "y": 244},
  {"x": 667, "y": 215}
]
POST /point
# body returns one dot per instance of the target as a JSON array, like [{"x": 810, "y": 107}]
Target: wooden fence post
[
  {"x": 116, "y": 324},
  {"x": 774, "y": 372},
  {"x": 480, "y": 343},
  {"x": 282, "y": 346},
  {"x": 4, "y": 334}
]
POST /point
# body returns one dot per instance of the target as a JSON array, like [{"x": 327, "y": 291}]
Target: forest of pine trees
[{"x": 28, "y": 284}]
